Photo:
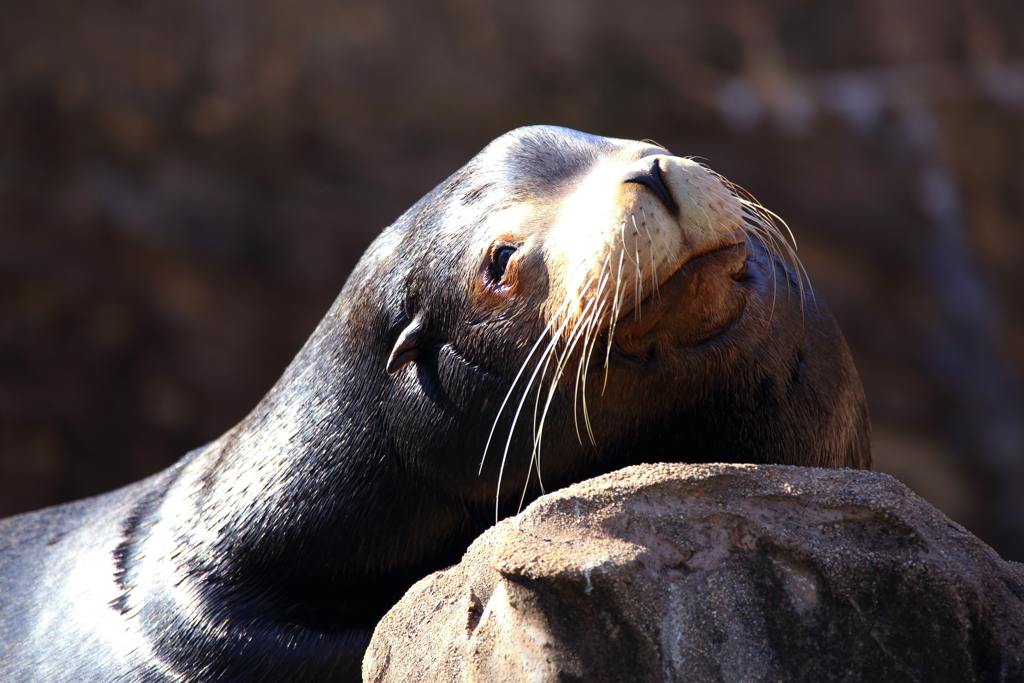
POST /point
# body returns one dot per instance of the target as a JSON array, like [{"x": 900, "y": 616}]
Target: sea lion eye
[{"x": 499, "y": 261}]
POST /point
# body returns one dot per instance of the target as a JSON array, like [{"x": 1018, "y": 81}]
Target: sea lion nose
[{"x": 650, "y": 176}]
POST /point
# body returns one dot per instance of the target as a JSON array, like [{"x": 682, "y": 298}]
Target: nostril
[{"x": 652, "y": 178}]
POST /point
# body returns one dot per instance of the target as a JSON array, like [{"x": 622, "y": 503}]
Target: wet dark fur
[{"x": 361, "y": 482}]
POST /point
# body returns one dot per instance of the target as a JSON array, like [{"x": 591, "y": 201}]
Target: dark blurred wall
[{"x": 184, "y": 186}]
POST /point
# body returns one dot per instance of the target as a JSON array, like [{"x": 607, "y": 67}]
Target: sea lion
[{"x": 563, "y": 305}]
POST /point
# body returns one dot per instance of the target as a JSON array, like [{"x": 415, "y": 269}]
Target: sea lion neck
[{"x": 332, "y": 437}]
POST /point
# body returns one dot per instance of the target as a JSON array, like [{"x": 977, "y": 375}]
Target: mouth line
[
  {"x": 631, "y": 327},
  {"x": 690, "y": 264}
]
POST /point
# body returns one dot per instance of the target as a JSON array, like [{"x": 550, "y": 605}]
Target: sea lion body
[{"x": 564, "y": 305}]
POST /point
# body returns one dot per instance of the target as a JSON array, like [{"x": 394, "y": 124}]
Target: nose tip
[{"x": 651, "y": 177}]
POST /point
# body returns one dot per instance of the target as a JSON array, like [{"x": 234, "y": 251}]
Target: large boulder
[{"x": 715, "y": 573}]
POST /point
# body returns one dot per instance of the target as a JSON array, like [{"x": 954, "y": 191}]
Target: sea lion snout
[{"x": 631, "y": 223}]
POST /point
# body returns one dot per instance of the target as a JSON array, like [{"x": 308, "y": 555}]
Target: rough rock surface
[{"x": 715, "y": 573}]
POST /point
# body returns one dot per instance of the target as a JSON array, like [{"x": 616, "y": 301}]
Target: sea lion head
[{"x": 565, "y": 304}]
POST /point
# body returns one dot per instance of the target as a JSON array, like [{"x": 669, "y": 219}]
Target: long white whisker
[
  {"x": 650, "y": 247},
  {"x": 541, "y": 367},
  {"x": 573, "y": 340},
  {"x": 539, "y": 430},
  {"x": 638, "y": 281},
  {"x": 515, "y": 380},
  {"x": 515, "y": 420},
  {"x": 586, "y": 356},
  {"x": 535, "y": 455},
  {"x": 581, "y": 371},
  {"x": 616, "y": 307},
  {"x": 776, "y": 240}
]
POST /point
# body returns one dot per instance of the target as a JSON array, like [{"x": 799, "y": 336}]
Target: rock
[{"x": 715, "y": 573}]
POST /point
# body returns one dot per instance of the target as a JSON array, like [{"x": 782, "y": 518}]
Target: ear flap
[{"x": 407, "y": 348}]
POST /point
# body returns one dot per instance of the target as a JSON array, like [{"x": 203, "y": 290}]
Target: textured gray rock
[{"x": 715, "y": 573}]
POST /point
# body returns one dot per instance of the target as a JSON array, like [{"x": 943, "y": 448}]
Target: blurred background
[{"x": 185, "y": 185}]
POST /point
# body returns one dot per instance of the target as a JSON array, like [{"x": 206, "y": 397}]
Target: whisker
[
  {"x": 574, "y": 338},
  {"x": 585, "y": 361},
  {"x": 543, "y": 362},
  {"x": 638, "y": 281},
  {"x": 570, "y": 342},
  {"x": 512, "y": 386},
  {"x": 515, "y": 418},
  {"x": 616, "y": 307},
  {"x": 655, "y": 285},
  {"x": 763, "y": 224},
  {"x": 552, "y": 387},
  {"x": 591, "y": 338}
]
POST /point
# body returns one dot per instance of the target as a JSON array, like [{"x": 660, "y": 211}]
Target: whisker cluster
[
  {"x": 602, "y": 296},
  {"x": 770, "y": 230}
]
